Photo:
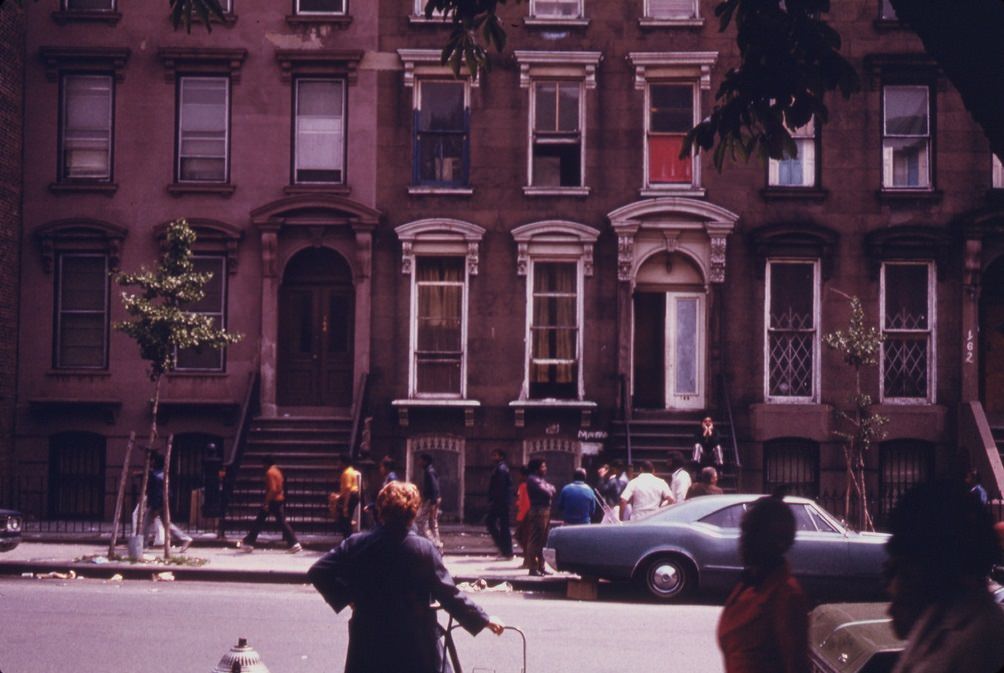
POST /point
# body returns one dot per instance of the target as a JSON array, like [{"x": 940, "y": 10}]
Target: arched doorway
[
  {"x": 992, "y": 340},
  {"x": 316, "y": 334},
  {"x": 670, "y": 334}
]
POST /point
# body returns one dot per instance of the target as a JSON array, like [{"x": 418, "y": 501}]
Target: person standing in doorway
[
  {"x": 428, "y": 515},
  {"x": 274, "y": 504},
  {"x": 540, "y": 492},
  {"x": 499, "y": 504}
]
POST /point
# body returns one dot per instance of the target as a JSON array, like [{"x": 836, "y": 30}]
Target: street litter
[
  {"x": 117, "y": 577},
  {"x": 482, "y": 585},
  {"x": 163, "y": 577},
  {"x": 69, "y": 575}
]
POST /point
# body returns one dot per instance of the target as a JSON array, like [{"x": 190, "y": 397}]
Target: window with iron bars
[
  {"x": 793, "y": 463},
  {"x": 792, "y": 330},
  {"x": 907, "y": 309}
]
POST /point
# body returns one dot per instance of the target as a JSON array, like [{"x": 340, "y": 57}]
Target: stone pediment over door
[{"x": 672, "y": 224}]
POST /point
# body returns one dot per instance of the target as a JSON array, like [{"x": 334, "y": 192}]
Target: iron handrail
[
  {"x": 358, "y": 407},
  {"x": 626, "y": 415},
  {"x": 727, "y": 404},
  {"x": 233, "y": 463}
]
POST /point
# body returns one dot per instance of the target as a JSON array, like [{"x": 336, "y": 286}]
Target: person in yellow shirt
[
  {"x": 274, "y": 504},
  {"x": 349, "y": 486}
]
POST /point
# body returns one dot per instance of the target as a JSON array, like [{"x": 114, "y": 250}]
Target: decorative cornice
[
  {"x": 297, "y": 62},
  {"x": 202, "y": 60},
  {"x": 543, "y": 63},
  {"x": 795, "y": 239},
  {"x": 427, "y": 62},
  {"x": 915, "y": 242},
  {"x": 439, "y": 230},
  {"x": 84, "y": 59},
  {"x": 909, "y": 68},
  {"x": 578, "y": 237},
  {"x": 649, "y": 65},
  {"x": 80, "y": 234},
  {"x": 211, "y": 236}
]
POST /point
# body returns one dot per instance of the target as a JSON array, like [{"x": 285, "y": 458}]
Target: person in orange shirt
[
  {"x": 764, "y": 627},
  {"x": 348, "y": 496},
  {"x": 274, "y": 504}
]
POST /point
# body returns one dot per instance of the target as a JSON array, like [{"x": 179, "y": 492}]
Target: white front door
[{"x": 685, "y": 339}]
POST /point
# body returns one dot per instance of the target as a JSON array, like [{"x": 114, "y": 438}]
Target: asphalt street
[{"x": 92, "y": 626}]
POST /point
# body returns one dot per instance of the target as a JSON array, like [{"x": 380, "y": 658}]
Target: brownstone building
[{"x": 424, "y": 264}]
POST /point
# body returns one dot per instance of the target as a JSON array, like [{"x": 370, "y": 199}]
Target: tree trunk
[
  {"x": 149, "y": 448},
  {"x": 120, "y": 495},
  {"x": 166, "y": 511}
]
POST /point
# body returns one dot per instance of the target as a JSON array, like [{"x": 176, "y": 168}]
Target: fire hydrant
[{"x": 241, "y": 658}]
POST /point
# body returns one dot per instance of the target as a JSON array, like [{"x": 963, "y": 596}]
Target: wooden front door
[
  {"x": 669, "y": 350},
  {"x": 992, "y": 341},
  {"x": 316, "y": 309}
]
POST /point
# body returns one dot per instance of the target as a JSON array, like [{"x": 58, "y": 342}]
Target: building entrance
[
  {"x": 992, "y": 340},
  {"x": 316, "y": 308}
]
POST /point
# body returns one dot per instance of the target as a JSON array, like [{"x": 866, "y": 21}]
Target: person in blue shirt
[{"x": 577, "y": 501}]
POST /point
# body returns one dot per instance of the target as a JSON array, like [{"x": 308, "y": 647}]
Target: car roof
[{"x": 698, "y": 508}]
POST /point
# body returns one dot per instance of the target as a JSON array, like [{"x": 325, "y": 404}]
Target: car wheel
[{"x": 666, "y": 578}]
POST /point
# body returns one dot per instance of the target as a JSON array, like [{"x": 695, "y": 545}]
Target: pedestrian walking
[
  {"x": 681, "y": 481},
  {"x": 387, "y": 469},
  {"x": 155, "y": 502},
  {"x": 389, "y": 576},
  {"x": 522, "y": 512},
  {"x": 540, "y": 493},
  {"x": 707, "y": 484},
  {"x": 428, "y": 515},
  {"x": 764, "y": 627},
  {"x": 942, "y": 549},
  {"x": 274, "y": 503},
  {"x": 349, "y": 491},
  {"x": 645, "y": 494},
  {"x": 577, "y": 501},
  {"x": 500, "y": 504},
  {"x": 708, "y": 445}
]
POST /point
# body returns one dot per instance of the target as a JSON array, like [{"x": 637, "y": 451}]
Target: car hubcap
[{"x": 666, "y": 578}]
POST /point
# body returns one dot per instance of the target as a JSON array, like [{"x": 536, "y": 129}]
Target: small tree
[
  {"x": 859, "y": 346},
  {"x": 159, "y": 323}
]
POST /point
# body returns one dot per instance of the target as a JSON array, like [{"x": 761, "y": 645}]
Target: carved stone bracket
[
  {"x": 202, "y": 60},
  {"x": 717, "y": 271},
  {"x": 269, "y": 251},
  {"x": 364, "y": 254},
  {"x": 625, "y": 257},
  {"x": 407, "y": 257},
  {"x": 522, "y": 258},
  {"x": 472, "y": 258},
  {"x": 972, "y": 269}
]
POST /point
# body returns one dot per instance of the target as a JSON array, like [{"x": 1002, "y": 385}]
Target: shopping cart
[{"x": 452, "y": 659}]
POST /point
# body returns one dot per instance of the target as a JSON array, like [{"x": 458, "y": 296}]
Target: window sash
[
  {"x": 213, "y": 304},
  {"x": 556, "y": 9},
  {"x": 86, "y": 137},
  {"x": 555, "y": 320},
  {"x": 439, "y": 324},
  {"x": 319, "y": 129},
  {"x": 556, "y": 147},
  {"x": 320, "y": 6},
  {"x": 906, "y": 140},
  {"x": 669, "y": 115},
  {"x": 792, "y": 335},
  {"x": 997, "y": 173},
  {"x": 671, "y": 9},
  {"x": 441, "y": 140},
  {"x": 907, "y": 310},
  {"x": 203, "y": 129},
  {"x": 81, "y": 312}
]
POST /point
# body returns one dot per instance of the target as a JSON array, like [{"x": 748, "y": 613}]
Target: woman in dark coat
[{"x": 390, "y": 576}]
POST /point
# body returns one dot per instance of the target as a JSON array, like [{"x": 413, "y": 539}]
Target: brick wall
[{"x": 11, "y": 115}]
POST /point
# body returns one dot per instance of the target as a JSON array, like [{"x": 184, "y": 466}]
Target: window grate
[
  {"x": 791, "y": 364},
  {"x": 905, "y": 360}
]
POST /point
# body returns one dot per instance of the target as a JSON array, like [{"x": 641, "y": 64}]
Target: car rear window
[{"x": 727, "y": 517}]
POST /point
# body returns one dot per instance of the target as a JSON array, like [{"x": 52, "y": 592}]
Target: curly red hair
[{"x": 398, "y": 503}]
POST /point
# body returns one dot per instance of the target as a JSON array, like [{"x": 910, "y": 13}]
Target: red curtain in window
[{"x": 664, "y": 164}]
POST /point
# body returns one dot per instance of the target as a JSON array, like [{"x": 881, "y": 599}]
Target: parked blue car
[
  {"x": 10, "y": 529},
  {"x": 695, "y": 544}
]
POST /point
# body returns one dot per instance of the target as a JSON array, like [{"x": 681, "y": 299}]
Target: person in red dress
[{"x": 764, "y": 627}]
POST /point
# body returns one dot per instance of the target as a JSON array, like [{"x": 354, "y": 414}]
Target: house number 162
[{"x": 970, "y": 348}]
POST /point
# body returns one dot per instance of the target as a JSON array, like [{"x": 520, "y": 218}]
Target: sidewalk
[{"x": 469, "y": 557}]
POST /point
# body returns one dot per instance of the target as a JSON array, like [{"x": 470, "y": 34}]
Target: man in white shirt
[
  {"x": 646, "y": 493},
  {"x": 681, "y": 481}
]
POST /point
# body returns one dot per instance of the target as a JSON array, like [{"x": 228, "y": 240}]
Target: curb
[{"x": 183, "y": 573}]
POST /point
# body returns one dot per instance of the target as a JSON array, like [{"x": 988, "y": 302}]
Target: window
[
  {"x": 439, "y": 303},
  {"x": 997, "y": 179},
  {"x": 670, "y": 116},
  {"x": 671, "y": 9},
  {"x": 212, "y": 304},
  {"x": 727, "y": 517},
  {"x": 319, "y": 150},
  {"x": 886, "y": 11},
  {"x": 203, "y": 129},
  {"x": 556, "y": 9},
  {"x": 906, "y": 139},
  {"x": 320, "y": 6},
  {"x": 792, "y": 331},
  {"x": 907, "y": 349},
  {"x": 791, "y": 463},
  {"x": 442, "y": 136},
  {"x": 799, "y": 170},
  {"x": 437, "y": 14},
  {"x": 81, "y": 312},
  {"x": 554, "y": 331},
  {"x": 557, "y": 134},
  {"x": 86, "y": 139}
]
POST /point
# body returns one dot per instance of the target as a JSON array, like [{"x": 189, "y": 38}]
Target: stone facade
[{"x": 702, "y": 248}]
